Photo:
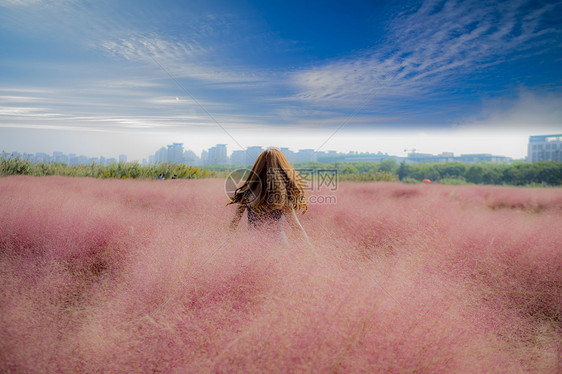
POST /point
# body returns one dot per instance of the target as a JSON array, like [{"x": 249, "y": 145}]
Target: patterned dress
[{"x": 270, "y": 224}]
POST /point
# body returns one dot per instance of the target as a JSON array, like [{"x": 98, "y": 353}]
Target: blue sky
[{"x": 108, "y": 77}]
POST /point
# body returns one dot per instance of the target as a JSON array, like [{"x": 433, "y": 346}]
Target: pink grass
[{"x": 141, "y": 276}]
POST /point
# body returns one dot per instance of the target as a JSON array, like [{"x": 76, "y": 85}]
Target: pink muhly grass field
[{"x": 142, "y": 276}]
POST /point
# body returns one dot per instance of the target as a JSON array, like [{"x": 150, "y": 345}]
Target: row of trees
[{"x": 518, "y": 173}]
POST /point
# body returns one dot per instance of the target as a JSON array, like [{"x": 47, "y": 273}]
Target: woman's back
[
  {"x": 271, "y": 220},
  {"x": 272, "y": 192}
]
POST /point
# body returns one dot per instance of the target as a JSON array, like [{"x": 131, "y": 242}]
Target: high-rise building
[
  {"x": 175, "y": 153},
  {"x": 545, "y": 148},
  {"x": 238, "y": 157},
  {"x": 217, "y": 154},
  {"x": 122, "y": 158},
  {"x": 161, "y": 156},
  {"x": 252, "y": 154},
  {"x": 190, "y": 158}
]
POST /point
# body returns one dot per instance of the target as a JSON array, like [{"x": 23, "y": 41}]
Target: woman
[{"x": 272, "y": 192}]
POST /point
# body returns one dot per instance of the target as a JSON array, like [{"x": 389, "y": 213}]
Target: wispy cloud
[
  {"x": 19, "y": 3},
  {"x": 528, "y": 110},
  {"x": 183, "y": 59},
  {"x": 426, "y": 49},
  {"x": 21, "y": 112},
  {"x": 146, "y": 47},
  {"x": 17, "y": 99}
]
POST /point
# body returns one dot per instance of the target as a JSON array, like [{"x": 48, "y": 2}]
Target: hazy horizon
[{"x": 128, "y": 77}]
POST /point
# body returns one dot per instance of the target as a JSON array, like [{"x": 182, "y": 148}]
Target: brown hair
[{"x": 273, "y": 183}]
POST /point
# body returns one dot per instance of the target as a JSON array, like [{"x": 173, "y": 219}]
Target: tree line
[{"x": 518, "y": 173}]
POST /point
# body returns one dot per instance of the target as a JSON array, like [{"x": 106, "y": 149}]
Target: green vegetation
[
  {"x": 518, "y": 173},
  {"x": 16, "y": 166}
]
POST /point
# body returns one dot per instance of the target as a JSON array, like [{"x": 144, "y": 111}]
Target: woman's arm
[
  {"x": 237, "y": 216},
  {"x": 295, "y": 224}
]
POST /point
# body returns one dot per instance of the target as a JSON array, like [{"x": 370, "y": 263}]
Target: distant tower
[
  {"x": 161, "y": 156},
  {"x": 217, "y": 154},
  {"x": 545, "y": 148},
  {"x": 175, "y": 153},
  {"x": 122, "y": 158},
  {"x": 252, "y": 154}
]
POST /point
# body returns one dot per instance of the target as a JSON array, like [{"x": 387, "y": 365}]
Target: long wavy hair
[{"x": 272, "y": 184}]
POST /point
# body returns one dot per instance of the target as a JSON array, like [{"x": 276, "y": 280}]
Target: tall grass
[
  {"x": 122, "y": 170},
  {"x": 141, "y": 276}
]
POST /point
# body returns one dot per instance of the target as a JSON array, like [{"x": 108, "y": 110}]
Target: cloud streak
[{"x": 426, "y": 49}]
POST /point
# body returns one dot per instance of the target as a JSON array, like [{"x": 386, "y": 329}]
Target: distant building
[
  {"x": 217, "y": 154},
  {"x": 60, "y": 157},
  {"x": 122, "y": 158},
  {"x": 482, "y": 157},
  {"x": 42, "y": 157},
  {"x": 545, "y": 148},
  {"x": 81, "y": 160},
  {"x": 305, "y": 155},
  {"x": 365, "y": 158},
  {"x": 238, "y": 157},
  {"x": 252, "y": 154},
  {"x": 450, "y": 157},
  {"x": 190, "y": 158},
  {"x": 290, "y": 155},
  {"x": 175, "y": 153},
  {"x": 161, "y": 156}
]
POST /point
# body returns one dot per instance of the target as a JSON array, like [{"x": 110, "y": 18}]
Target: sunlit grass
[{"x": 141, "y": 276}]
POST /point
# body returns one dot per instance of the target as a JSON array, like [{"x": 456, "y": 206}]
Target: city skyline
[
  {"x": 399, "y": 146},
  {"x": 127, "y": 76},
  {"x": 540, "y": 148}
]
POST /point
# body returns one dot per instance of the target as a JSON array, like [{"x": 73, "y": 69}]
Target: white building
[{"x": 545, "y": 148}]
